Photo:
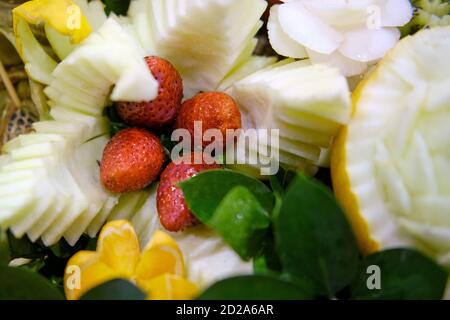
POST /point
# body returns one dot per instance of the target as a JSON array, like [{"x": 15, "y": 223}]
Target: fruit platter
[{"x": 224, "y": 149}]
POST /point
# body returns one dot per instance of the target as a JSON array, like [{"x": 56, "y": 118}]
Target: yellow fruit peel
[
  {"x": 84, "y": 272},
  {"x": 390, "y": 164},
  {"x": 170, "y": 287},
  {"x": 65, "y": 16},
  {"x": 342, "y": 189},
  {"x": 159, "y": 270},
  {"x": 118, "y": 247},
  {"x": 38, "y": 64}
]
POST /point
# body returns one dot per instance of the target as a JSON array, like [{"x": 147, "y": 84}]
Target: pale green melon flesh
[{"x": 398, "y": 147}]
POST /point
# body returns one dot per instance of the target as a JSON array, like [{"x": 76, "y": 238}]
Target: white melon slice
[
  {"x": 252, "y": 65},
  {"x": 208, "y": 258},
  {"x": 202, "y": 47},
  {"x": 54, "y": 172},
  {"x": 391, "y": 164},
  {"x": 146, "y": 219},
  {"x": 62, "y": 44},
  {"x": 38, "y": 64},
  {"x": 125, "y": 206},
  {"x": 307, "y": 104}
]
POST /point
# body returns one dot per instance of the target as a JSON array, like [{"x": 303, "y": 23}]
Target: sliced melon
[
  {"x": 208, "y": 258},
  {"x": 38, "y": 64},
  {"x": 65, "y": 25},
  {"x": 252, "y": 65},
  {"x": 56, "y": 186},
  {"x": 203, "y": 47},
  {"x": 307, "y": 104},
  {"x": 391, "y": 164}
]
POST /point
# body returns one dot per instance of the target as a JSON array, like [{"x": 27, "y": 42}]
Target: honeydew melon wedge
[
  {"x": 129, "y": 204},
  {"x": 38, "y": 64},
  {"x": 306, "y": 103},
  {"x": 146, "y": 219},
  {"x": 390, "y": 165},
  {"x": 126, "y": 205},
  {"x": 85, "y": 165},
  {"x": 252, "y": 65},
  {"x": 65, "y": 26},
  {"x": 54, "y": 171},
  {"x": 208, "y": 258},
  {"x": 47, "y": 197},
  {"x": 139, "y": 13},
  {"x": 202, "y": 47}
]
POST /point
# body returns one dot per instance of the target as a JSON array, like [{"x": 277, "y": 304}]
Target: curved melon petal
[
  {"x": 388, "y": 164},
  {"x": 340, "y": 13},
  {"x": 280, "y": 41},
  {"x": 396, "y": 13},
  {"x": 252, "y": 65},
  {"x": 38, "y": 64},
  {"x": 204, "y": 49},
  {"x": 63, "y": 153},
  {"x": 306, "y": 29},
  {"x": 61, "y": 43},
  {"x": 63, "y": 15},
  {"x": 208, "y": 258},
  {"x": 368, "y": 45},
  {"x": 307, "y": 104}
]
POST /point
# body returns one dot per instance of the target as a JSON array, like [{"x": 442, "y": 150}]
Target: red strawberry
[
  {"x": 163, "y": 110},
  {"x": 131, "y": 160},
  {"x": 215, "y": 110},
  {"x": 173, "y": 211}
]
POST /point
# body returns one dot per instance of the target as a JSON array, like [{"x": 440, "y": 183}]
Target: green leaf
[
  {"x": 241, "y": 221},
  {"x": 205, "y": 191},
  {"x": 4, "y": 249},
  {"x": 404, "y": 274},
  {"x": 253, "y": 288},
  {"x": 24, "y": 248},
  {"x": 118, "y": 289},
  {"x": 269, "y": 261},
  {"x": 23, "y": 284},
  {"x": 119, "y": 7},
  {"x": 63, "y": 250},
  {"x": 315, "y": 242}
]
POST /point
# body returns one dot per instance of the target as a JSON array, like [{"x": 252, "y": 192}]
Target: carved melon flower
[
  {"x": 158, "y": 270},
  {"x": 348, "y": 34}
]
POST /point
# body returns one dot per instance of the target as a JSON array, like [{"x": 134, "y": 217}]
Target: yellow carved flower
[
  {"x": 158, "y": 270},
  {"x": 65, "y": 16}
]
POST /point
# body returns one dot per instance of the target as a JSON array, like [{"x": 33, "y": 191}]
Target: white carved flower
[{"x": 348, "y": 34}]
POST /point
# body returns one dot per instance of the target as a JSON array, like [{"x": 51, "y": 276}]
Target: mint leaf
[
  {"x": 241, "y": 221},
  {"x": 118, "y": 289},
  {"x": 269, "y": 261},
  {"x": 205, "y": 191},
  {"x": 24, "y": 284},
  {"x": 315, "y": 242},
  {"x": 403, "y": 274},
  {"x": 253, "y": 288}
]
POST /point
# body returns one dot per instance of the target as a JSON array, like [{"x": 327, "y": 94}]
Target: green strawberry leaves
[
  {"x": 298, "y": 235},
  {"x": 119, "y": 7},
  {"x": 117, "y": 289},
  {"x": 314, "y": 240},
  {"x": 253, "y": 288},
  {"x": 24, "y": 284},
  {"x": 399, "y": 274}
]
